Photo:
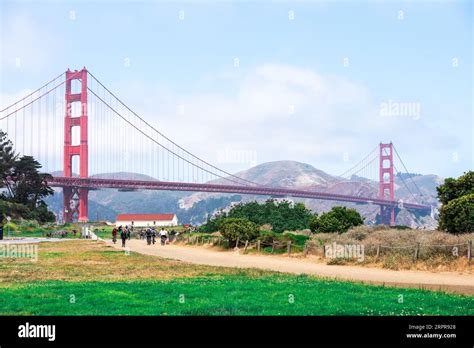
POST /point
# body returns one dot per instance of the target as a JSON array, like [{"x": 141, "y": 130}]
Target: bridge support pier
[
  {"x": 386, "y": 182},
  {"x": 76, "y": 199},
  {"x": 75, "y": 202},
  {"x": 83, "y": 205},
  {"x": 387, "y": 215},
  {"x": 67, "y": 204}
]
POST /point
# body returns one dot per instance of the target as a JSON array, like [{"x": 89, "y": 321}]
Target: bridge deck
[{"x": 95, "y": 183}]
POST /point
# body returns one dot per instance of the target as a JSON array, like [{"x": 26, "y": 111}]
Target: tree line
[{"x": 244, "y": 220}]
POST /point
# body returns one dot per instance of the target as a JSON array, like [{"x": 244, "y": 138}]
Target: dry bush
[{"x": 438, "y": 250}]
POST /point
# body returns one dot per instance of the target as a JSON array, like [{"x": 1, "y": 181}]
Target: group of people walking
[
  {"x": 150, "y": 234},
  {"x": 124, "y": 233}
]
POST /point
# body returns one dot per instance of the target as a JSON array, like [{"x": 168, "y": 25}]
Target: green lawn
[{"x": 226, "y": 295}]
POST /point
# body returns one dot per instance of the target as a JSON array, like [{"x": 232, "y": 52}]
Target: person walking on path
[
  {"x": 153, "y": 235},
  {"x": 163, "y": 236},
  {"x": 123, "y": 236},
  {"x": 114, "y": 235},
  {"x": 149, "y": 234}
]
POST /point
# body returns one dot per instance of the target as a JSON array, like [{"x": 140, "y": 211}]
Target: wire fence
[{"x": 417, "y": 250}]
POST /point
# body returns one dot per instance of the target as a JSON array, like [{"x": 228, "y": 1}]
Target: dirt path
[{"x": 447, "y": 281}]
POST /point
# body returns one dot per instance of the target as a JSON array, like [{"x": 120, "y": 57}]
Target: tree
[
  {"x": 458, "y": 215},
  {"x": 283, "y": 215},
  {"x": 338, "y": 219},
  {"x": 456, "y": 188},
  {"x": 7, "y": 158},
  {"x": 28, "y": 186},
  {"x": 457, "y": 196},
  {"x": 42, "y": 214},
  {"x": 326, "y": 223},
  {"x": 238, "y": 228},
  {"x": 213, "y": 224},
  {"x": 22, "y": 181}
]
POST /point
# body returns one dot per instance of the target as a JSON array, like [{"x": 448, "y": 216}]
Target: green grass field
[
  {"x": 227, "y": 295},
  {"x": 90, "y": 278}
]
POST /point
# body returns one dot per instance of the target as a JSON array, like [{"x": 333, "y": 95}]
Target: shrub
[
  {"x": 266, "y": 227},
  {"x": 338, "y": 261},
  {"x": 11, "y": 226},
  {"x": 42, "y": 214},
  {"x": 358, "y": 233},
  {"x": 296, "y": 239},
  {"x": 212, "y": 224},
  {"x": 243, "y": 229},
  {"x": 326, "y": 223},
  {"x": 401, "y": 227},
  {"x": 28, "y": 224},
  {"x": 338, "y": 219}
]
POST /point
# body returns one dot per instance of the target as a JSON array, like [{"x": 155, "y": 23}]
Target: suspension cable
[
  {"x": 357, "y": 164},
  {"x": 401, "y": 177},
  {"x": 164, "y": 136},
  {"x": 32, "y": 101},
  {"x": 403, "y": 164},
  {"x": 29, "y": 95},
  {"x": 156, "y": 142}
]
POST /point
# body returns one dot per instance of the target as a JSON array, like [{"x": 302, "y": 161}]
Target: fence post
[
  {"x": 417, "y": 250},
  {"x": 378, "y": 250},
  {"x": 237, "y": 242},
  {"x": 289, "y": 248},
  {"x": 273, "y": 245},
  {"x": 305, "y": 251},
  {"x": 469, "y": 250},
  {"x": 324, "y": 251},
  {"x": 258, "y": 245},
  {"x": 246, "y": 245}
]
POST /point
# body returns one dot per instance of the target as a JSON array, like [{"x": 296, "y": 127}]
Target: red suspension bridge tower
[
  {"x": 387, "y": 214},
  {"x": 74, "y": 194}
]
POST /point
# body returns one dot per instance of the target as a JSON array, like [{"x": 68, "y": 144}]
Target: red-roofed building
[{"x": 144, "y": 220}]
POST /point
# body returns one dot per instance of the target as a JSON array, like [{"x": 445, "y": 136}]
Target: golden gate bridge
[{"x": 74, "y": 120}]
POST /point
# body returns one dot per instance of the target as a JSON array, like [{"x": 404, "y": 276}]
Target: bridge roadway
[{"x": 95, "y": 183}]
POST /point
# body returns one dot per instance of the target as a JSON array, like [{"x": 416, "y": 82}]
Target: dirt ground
[{"x": 446, "y": 281}]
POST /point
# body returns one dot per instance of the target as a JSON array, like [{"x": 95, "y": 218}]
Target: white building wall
[{"x": 145, "y": 223}]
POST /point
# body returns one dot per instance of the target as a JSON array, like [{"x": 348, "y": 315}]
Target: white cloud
[{"x": 280, "y": 111}]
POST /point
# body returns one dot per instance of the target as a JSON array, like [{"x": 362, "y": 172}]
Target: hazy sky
[{"x": 317, "y": 82}]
